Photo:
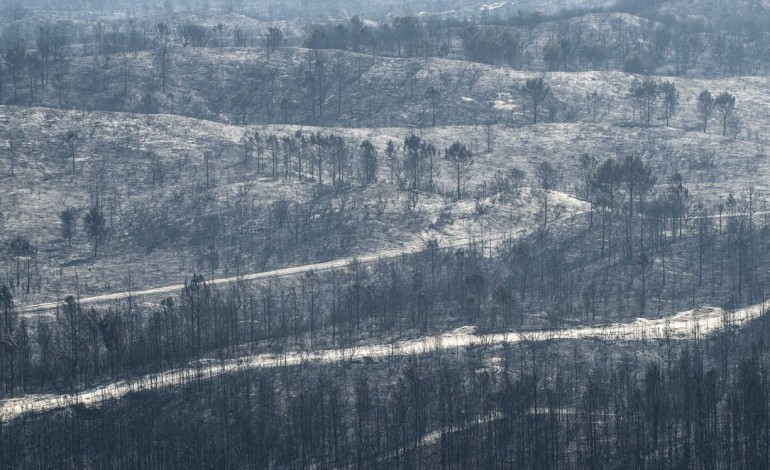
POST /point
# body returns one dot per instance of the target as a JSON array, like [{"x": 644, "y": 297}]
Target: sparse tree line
[
  {"x": 404, "y": 36},
  {"x": 653, "y": 98},
  {"x": 665, "y": 403},
  {"x": 311, "y": 157}
]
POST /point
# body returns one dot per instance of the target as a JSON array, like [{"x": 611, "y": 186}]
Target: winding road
[{"x": 688, "y": 324}]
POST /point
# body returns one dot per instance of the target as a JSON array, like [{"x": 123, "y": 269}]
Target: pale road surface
[
  {"x": 688, "y": 324},
  {"x": 290, "y": 271},
  {"x": 294, "y": 270}
]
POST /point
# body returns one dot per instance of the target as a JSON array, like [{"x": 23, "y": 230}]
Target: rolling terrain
[{"x": 384, "y": 234}]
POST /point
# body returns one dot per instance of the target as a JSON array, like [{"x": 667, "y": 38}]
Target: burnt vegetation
[{"x": 328, "y": 178}]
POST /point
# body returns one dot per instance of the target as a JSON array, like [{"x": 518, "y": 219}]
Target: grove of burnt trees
[
  {"x": 734, "y": 43},
  {"x": 666, "y": 403}
]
